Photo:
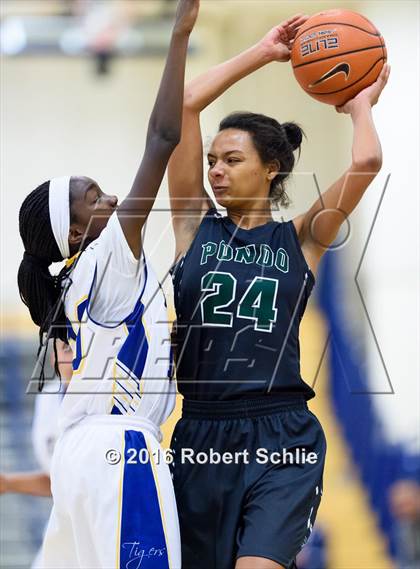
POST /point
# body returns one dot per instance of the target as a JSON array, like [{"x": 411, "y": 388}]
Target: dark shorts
[{"x": 261, "y": 501}]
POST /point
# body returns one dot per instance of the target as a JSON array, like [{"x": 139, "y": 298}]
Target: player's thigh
[
  {"x": 257, "y": 563},
  {"x": 280, "y": 508}
]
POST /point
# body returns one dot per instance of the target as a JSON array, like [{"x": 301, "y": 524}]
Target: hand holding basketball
[
  {"x": 370, "y": 95},
  {"x": 336, "y": 54},
  {"x": 278, "y": 41}
]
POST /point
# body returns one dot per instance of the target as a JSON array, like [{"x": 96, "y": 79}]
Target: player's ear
[
  {"x": 75, "y": 235},
  {"x": 273, "y": 170}
]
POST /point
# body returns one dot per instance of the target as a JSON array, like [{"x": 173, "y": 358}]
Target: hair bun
[{"x": 294, "y": 134}]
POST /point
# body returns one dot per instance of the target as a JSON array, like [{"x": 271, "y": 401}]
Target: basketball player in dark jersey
[{"x": 247, "y": 491}]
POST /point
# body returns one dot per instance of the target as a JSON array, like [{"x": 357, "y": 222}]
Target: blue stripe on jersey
[
  {"x": 171, "y": 367},
  {"x": 118, "y": 402},
  {"x": 71, "y": 334},
  {"x": 124, "y": 389},
  {"x": 128, "y": 372},
  {"x": 142, "y": 535},
  {"x": 77, "y": 360},
  {"x": 80, "y": 310},
  {"x": 133, "y": 353}
]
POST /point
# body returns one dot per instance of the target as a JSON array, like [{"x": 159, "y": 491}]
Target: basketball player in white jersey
[
  {"x": 113, "y": 498},
  {"x": 44, "y": 436}
]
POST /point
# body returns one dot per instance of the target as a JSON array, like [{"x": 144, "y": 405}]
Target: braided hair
[
  {"x": 274, "y": 142},
  {"x": 42, "y": 292}
]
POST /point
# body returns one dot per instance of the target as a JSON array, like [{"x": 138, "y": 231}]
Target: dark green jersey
[{"x": 239, "y": 296}]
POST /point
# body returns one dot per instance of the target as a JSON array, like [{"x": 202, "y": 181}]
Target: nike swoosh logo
[{"x": 339, "y": 68}]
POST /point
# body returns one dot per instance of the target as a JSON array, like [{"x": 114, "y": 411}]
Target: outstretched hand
[
  {"x": 370, "y": 95},
  {"x": 186, "y": 16},
  {"x": 278, "y": 42},
  {"x": 3, "y": 484}
]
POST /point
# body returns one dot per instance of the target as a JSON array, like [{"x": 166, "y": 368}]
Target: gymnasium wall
[{"x": 389, "y": 276}]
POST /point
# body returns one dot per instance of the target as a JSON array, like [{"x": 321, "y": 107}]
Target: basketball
[{"x": 336, "y": 54}]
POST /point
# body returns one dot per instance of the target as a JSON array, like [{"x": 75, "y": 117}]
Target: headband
[{"x": 59, "y": 205}]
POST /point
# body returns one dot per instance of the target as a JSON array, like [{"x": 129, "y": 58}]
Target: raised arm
[
  {"x": 318, "y": 227},
  {"x": 189, "y": 200},
  {"x": 164, "y": 130}
]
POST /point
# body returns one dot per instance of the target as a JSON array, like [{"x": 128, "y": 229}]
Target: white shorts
[{"x": 113, "y": 506}]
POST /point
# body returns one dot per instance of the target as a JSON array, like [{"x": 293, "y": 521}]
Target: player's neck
[{"x": 250, "y": 218}]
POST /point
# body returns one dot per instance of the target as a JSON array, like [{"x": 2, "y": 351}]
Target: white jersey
[
  {"x": 114, "y": 504},
  {"x": 45, "y": 432},
  {"x": 118, "y": 330},
  {"x": 45, "y": 423}
]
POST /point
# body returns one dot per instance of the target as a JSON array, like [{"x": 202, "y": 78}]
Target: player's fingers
[
  {"x": 386, "y": 70},
  {"x": 383, "y": 76},
  {"x": 282, "y": 34},
  {"x": 298, "y": 23},
  {"x": 290, "y": 26},
  {"x": 300, "y": 20},
  {"x": 293, "y": 19},
  {"x": 294, "y": 29},
  {"x": 291, "y": 22}
]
